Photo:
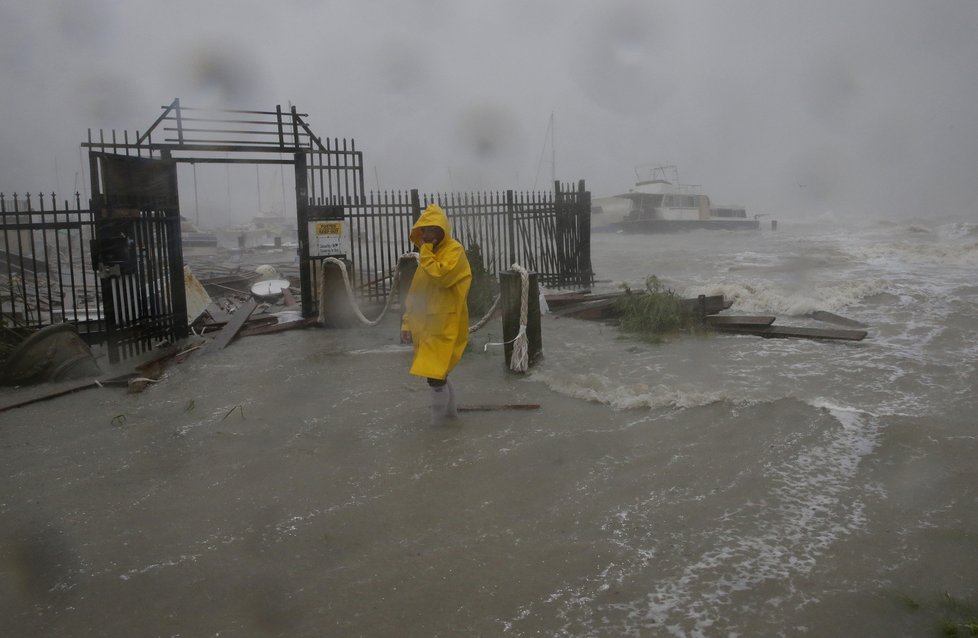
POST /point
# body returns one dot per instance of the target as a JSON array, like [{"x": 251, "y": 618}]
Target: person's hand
[{"x": 406, "y": 336}]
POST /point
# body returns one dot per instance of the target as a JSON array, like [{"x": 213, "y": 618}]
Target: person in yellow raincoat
[{"x": 436, "y": 312}]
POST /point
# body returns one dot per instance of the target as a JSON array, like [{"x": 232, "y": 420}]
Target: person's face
[{"x": 431, "y": 235}]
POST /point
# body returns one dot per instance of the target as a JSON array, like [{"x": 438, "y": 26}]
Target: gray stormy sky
[{"x": 838, "y": 107}]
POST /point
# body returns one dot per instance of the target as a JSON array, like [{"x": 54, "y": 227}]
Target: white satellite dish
[{"x": 269, "y": 288}]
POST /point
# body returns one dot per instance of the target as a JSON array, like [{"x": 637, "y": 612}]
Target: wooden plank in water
[
  {"x": 594, "y": 309},
  {"x": 739, "y": 320},
  {"x": 238, "y": 319},
  {"x": 493, "y": 408},
  {"x": 796, "y": 331},
  {"x": 828, "y": 317}
]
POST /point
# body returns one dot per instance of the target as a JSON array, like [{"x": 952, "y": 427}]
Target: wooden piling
[{"x": 510, "y": 285}]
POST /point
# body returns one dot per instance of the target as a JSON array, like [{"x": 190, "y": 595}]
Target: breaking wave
[
  {"x": 923, "y": 253},
  {"x": 624, "y": 396},
  {"x": 765, "y": 297}
]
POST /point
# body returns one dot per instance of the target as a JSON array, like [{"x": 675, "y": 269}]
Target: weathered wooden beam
[
  {"x": 279, "y": 327},
  {"x": 504, "y": 406},
  {"x": 828, "y": 317},
  {"x": 230, "y": 331},
  {"x": 741, "y": 320},
  {"x": 795, "y": 331},
  {"x": 593, "y": 309}
]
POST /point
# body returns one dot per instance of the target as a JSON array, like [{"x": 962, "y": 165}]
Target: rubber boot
[
  {"x": 451, "y": 408},
  {"x": 439, "y": 404}
]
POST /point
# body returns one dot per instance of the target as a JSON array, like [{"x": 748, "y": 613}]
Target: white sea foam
[
  {"x": 903, "y": 253},
  {"x": 770, "y": 297},
  {"x": 810, "y": 504},
  {"x": 624, "y": 396}
]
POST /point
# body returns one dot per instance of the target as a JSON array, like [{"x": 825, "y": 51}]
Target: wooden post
[
  {"x": 510, "y": 284},
  {"x": 336, "y": 302}
]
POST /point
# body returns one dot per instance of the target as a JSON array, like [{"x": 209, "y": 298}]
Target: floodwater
[{"x": 292, "y": 484}]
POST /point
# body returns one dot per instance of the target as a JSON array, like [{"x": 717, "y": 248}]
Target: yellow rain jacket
[{"x": 436, "y": 312}]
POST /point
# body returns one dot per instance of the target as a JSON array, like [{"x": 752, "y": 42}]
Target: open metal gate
[{"x": 137, "y": 252}]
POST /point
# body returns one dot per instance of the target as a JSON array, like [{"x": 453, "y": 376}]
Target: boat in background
[{"x": 661, "y": 204}]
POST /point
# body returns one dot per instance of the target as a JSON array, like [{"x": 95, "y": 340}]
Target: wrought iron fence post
[
  {"x": 302, "y": 232},
  {"x": 511, "y": 225}
]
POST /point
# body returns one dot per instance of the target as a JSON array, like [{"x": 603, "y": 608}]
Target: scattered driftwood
[
  {"x": 232, "y": 327},
  {"x": 795, "y": 331},
  {"x": 278, "y": 327},
  {"x": 147, "y": 366},
  {"x": 495, "y": 407},
  {"x": 736, "y": 321}
]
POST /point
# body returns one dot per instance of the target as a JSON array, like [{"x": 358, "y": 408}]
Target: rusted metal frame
[
  {"x": 184, "y": 130},
  {"x": 163, "y": 116},
  {"x": 388, "y": 261},
  {"x": 559, "y": 242},
  {"x": 533, "y": 235},
  {"x": 302, "y": 217},
  {"x": 87, "y": 261},
  {"x": 219, "y": 120},
  {"x": 178, "y": 298},
  {"x": 179, "y": 121},
  {"x": 47, "y": 262},
  {"x": 57, "y": 250},
  {"x": 358, "y": 185},
  {"x": 230, "y": 160},
  {"x": 198, "y": 109},
  {"x": 378, "y": 261},
  {"x": 279, "y": 123},
  {"x": 219, "y": 146},
  {"x": 169, "y": 300},
  {"x": 12, "y": 286},
  {"x": 500, "y": 238},
  {"x": 156, "y": 280},
  {"x": 104, "y": 286},
  {"x": 295, "y": 128},
  {"x": 145, "y": 289},
  {"x": 23, "y": 277},
  {"x": 361, "y": 255}
]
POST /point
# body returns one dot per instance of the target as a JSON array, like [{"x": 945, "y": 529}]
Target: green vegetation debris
[{"x": 655, "y": 313}]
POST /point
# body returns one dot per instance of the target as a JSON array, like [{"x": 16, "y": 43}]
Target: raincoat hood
[{"x": 433, "y": 215}]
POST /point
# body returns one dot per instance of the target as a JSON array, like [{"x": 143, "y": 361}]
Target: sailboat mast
[{"x": 553, "y": 152}]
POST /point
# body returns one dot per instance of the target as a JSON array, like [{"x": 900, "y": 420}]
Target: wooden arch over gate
[{"x": 137, "y": 251}]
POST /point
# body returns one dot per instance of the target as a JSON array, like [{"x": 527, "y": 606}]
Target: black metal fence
[
  {"x": 46, "y": 275},
  {"x": 546, "y": 232}
]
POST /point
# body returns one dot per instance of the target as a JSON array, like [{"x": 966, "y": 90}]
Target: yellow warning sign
[
  {"x": 329, "y": 228},
  {"x": 325, "y": 239}
]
